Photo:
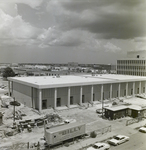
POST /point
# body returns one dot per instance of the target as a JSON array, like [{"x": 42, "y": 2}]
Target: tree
[{"x": 8, "y": 72}]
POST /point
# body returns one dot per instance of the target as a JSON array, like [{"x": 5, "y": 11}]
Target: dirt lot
[{"x": 85, "y": 115}]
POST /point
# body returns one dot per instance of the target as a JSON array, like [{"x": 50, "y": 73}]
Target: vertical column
[
  {"x": 9, "y": 88},
  {"x": 33, "y": 99},
  {"x": 55, "y": 97},
  {"x": 139, "y": 87},
  {"x": 102, "y": 98},
  {"x": 145, "y": 87},
  {"x": 133, "y": 89},
  {"x": 111, "y": 91},
  {"x": 68, "y": 102},
  {"x": 101, "y": 92},
  {"x": 81, "y": 95},
  {"x": 92, "y": 94},
  {"x": 119, "y": 90},
  {"x": 40, "y": 99},
  {"x": 126, "y": 89}
]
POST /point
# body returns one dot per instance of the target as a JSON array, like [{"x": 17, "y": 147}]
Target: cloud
[
  {"x": 108, "y": 19},
  {"x": 72, "y": 38},
  {"x": 140, "y": 43},
  {"x": 73, "y": 23},
  {"x": 109, "y": 47},
  {"x": 31, "y": 3},
  {"x": 14, "y": 30},
  {"x": 140, "y": 39}
]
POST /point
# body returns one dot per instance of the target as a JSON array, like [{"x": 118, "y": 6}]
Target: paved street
[
  {"x": 137, "y": 139},
  {"x": 137, "y": 142}
]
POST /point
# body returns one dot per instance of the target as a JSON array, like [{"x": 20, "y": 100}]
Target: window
[
  {"x": 58, "y": 102},
  {"x": 83, "y": 98},
  {"x": 124, "y": 92},
  {"x": 93, "y": 97},
  {"x": 44, "y": 104},
  {"x": 143, "y": 89},
  {"x": 71, "y": 100},
  {"x": 131, "y": 91},
  {"x": 137, "y": 90}
]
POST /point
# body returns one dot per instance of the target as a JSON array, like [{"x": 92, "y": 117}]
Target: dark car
[
  {"x": 15, "y": 103},
  {"x": 99, "y": 111}
]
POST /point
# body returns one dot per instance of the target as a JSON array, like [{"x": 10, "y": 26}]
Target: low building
[
  {"x": 116, "y": 112},
  {"x": 43, "y": 92}
]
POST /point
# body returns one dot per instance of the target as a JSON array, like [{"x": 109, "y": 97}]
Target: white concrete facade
[
  {"x": 134, "y": 64},
  {"x": 81, "y": 90}
]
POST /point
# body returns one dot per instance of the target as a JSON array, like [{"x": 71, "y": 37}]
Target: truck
[{"x": 62, "y": 133}]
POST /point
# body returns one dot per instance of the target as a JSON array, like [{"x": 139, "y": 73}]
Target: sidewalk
[{"x": 126, "y": 130}]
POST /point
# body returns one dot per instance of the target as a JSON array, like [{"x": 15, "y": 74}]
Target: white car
[
  {"x": 100, "y": 146},
  {"x": 118, "y": 140},
  {"x": 142, "y": 129}
]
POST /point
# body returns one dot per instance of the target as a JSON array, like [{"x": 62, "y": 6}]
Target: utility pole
[
  {"x": 102, "y": 107},
  {"x": 14, "y": 109}
]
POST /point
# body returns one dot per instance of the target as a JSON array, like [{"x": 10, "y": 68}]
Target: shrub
[{"x": 93, "y": 134}]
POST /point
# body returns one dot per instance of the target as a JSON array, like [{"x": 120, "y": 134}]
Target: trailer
[{"x": 62, "y": 133}]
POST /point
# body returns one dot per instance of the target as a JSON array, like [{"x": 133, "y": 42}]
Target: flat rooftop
[
  {"x": 121, "y": 107},
  {"x": 64, "y": 127},
  {"x": 42, "y": 82}
]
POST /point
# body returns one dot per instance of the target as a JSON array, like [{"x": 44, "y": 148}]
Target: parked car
[
  {"x": 100, "y": 146},
  {"x": 118, "y": 140},
  {"x": 99, "y": 111},
  {"x": 15, "y": 103},
  {"x": 142, "y": 129},
  {"x": 66, "y": 121}
]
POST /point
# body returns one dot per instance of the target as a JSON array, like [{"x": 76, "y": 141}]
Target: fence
[
  {"x": 103, "y": 130},
  {"x": 134, "y": 120},
  {"x": 94, "y": 126}
]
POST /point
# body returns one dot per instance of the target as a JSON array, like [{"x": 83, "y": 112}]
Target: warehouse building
[{"x": 43, "y": 92}]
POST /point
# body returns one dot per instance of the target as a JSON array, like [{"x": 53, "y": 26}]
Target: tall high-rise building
[{"x": 134, "y": 64}]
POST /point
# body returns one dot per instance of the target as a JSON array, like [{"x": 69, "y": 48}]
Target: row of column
[
  {"x": 92, "y": 92},
  {"x": 81, "y": 91}
]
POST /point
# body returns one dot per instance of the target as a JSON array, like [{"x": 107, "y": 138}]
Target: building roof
[
  {"x": 121, "y": 107},
  {"x": 64, "y": 127},
  {"x": 135, "y": 107},
  {"x": 116, "y": 108},
  {"x": 42, "y": 82}
]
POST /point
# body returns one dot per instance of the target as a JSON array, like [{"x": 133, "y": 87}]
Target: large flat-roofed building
[
  {"x": 134, "y": 64},
  {"x": 49, "y": 91}
]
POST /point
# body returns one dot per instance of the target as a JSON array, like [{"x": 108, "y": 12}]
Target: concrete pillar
[
  {"x": 139, "y": 87},
  {"x": 101, "y": 92},
  {"x": 126, "y": 89},
  {"x": 9, "y": 88},
  {"x": 102, "y": 98},
  {"x": 92, "y": 93},
  {"x": 40, "y": 99},
  {"x": 68, "y": 101},
  {"x": 111, "y": 91},
  {"x": 81, "y": 91},
  {"x": 133, "y": 89},
  {"x": 119, "y": 90},
  {"x": 12, "y": 89},
  {"x": 33, "y": 99},
  {"x": 55, "y": 97},
  {"x": 145, "y": 87}
]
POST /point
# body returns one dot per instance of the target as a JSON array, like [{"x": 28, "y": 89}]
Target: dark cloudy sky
[{"x": 61, "y": 31}]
